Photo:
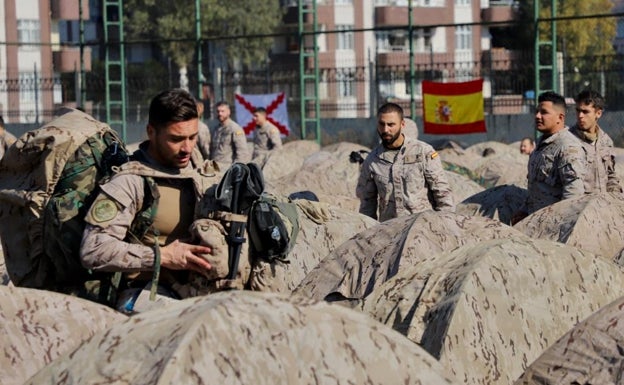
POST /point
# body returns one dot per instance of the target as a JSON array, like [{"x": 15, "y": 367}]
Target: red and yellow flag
[{"x": 453, "y": 108}]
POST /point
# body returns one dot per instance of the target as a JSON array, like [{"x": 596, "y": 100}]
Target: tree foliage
[{"x": 171, "y": 24}]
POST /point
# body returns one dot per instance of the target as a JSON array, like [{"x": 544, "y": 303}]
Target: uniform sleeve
[
  {"x": 242, "y": 153},
  {"x": 366, "y": 190},
  {"x": 108, "y": 220},
  {"x": 437, "y": 183},
  {"x": 571, "y": 169},
  {"x": 613, "y": 182},
  {"x": 275, "y": 138},
  {"x": 203, "y": 140}
]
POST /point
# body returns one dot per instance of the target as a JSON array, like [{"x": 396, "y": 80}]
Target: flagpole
[{"x": 411, "y": 59}]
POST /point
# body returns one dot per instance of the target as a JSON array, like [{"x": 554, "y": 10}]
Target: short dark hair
[
  {"x": 261, "y": 110},
  {"x": 390, "y": 107},
  {"x": 1, "y": 121},
  {"x": 172, "y": 106},
  {"x": 529, "y": 139},
  {"x": 590, "y": 97},
  {"x": 553, "y": 97},
  {"x": 223, "y": 103}
]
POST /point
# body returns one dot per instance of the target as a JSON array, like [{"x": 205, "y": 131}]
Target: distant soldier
[
  {"x": 527, "y": 145},
  {"x": 401, "y": 174},
  {"x": 229, "y": 143},
  {"x": 6, "y": 138},
  {"x": 600, "y": 175},
  {"x": 267, "y": 136},
  {"x": 557, "y": 164},
  {"x": 203, "y": 136}
]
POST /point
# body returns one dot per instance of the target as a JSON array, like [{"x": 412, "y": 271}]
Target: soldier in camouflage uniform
[
  {"x": 267, "y": 136},
  {"x": 229, "y": 143},
  {"x": 6, "y": 138},
  {"x": 113, "y": 239},
  {"x": 203, "y": 138},
  {"x": 600, "y": 175},
  {"x": 557, "y": 165},
  {"x": 402, "y": 175}
]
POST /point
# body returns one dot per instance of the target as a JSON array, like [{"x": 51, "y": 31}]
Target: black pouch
[{"x": 267, "y": 232}]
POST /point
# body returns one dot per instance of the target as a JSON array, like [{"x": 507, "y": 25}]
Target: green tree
[{"x": 171, "y": 24}]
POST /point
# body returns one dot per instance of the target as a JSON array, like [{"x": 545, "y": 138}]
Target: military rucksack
[{"x": 48, "y": 179}]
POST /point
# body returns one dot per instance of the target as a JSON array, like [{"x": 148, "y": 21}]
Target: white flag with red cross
[{"x": 274, "y": 104}]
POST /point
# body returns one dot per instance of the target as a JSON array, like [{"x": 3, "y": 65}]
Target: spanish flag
[{"x": 453, "y": 108}]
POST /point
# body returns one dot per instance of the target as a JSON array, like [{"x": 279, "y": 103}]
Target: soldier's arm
[
  {"x": 437, "y": 183},
  {"x": 571, "y": 168},
  {"x": 366, "y": 191},
  {"x": 613, "y": 182},
  {"x": 241, "y": 151},
  {"x": 203, "y": 140},
  {"x": 276, "y": 139}
]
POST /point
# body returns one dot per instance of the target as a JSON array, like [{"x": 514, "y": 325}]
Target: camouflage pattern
[
  {"x": 590, "y": 353},
  {"x": 503, "y": 168},
  {"x": 322, "y": 228},
  {"x": 266, "y": 138},
  {"x": 462, "y": 186},
  {"x": 287, "y": 160},
  {"x": 6, "y": 140},
  {"x": 393, "y": 184},
  {"x": 246, "y": 338},
  {"x": 39, "y": 326},
  {"x": 4, "y": 274},
  {"x": 556, "y": 168},
  {"x": 49, "y": 173},
  {"x": 203, "y": 139},
  {"x": 410, "y": 129},
  {"x": 591, "y": 222},
  {"x": 499, "y": 203},
  {"x": 366, "y": 261},
  {"x": 229, "y": 144},
  {"x": 600, "y": 175},
  {"x": 489, "y": 309},
  {"x": 328, "y": 173}
]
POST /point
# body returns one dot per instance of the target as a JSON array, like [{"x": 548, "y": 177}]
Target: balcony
[
  {"x": 68, "y": 59},
  {"x": 499, "y": 11},
  {"x": 68, "y": 10},
  {"x": 394, "y": 15}
]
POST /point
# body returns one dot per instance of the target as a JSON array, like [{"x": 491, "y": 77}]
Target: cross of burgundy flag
[{"x": 274, "y": 104}]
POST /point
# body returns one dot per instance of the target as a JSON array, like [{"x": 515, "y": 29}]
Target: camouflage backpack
[{"x": 48, "y": 179}]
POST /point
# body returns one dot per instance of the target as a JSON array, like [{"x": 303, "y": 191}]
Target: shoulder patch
[
  {"x": 103, "y": 210},
  {"x": 239, "y": 132},
  {"x": 434, "y": 155}
]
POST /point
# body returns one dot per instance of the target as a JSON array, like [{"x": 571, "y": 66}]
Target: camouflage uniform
[
  {"x": 266, "y": 138},
  {"x": 555, "y": 170},
  {"x": 110, "y": 242},
  {"x": 600, "y": 173},
  {"x": 229, "y": 144},
  {"x": 203, "y": 140},
  {"x": 400, "y": 182},
  {"x": 6, "y": 140}
]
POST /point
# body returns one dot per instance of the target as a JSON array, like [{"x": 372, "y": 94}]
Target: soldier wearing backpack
[{"x": 139, "y": 222}]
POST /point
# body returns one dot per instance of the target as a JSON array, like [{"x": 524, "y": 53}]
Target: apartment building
[
  {"x": 33, "y": 56},
  {"x": 450, "y": 38}
]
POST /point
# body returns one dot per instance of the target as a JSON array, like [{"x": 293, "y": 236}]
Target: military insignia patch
[
  {"x": 434, "y": 155},
  {"x": 238, "y": 133},
  {"x": 104, "y": 210}
]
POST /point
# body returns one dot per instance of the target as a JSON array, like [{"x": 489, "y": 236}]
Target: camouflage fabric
[
  {"x": 487, "y": 310},
  {"x": 503, "y": 168},
  {"x": 590, "y": 353},
  {"x": 468, "y": 173},
  {"x": 556, "y": 168},
  {"x": 499, "y": 202},
  {"x": 590, "y": 222},
  {"x": 600, "y": 175},
  {"x": 287, "y": 160},
  {"x": 247, "y": 338},
  {"x": 39, "y": 326},
  {"x": 229, "y": 144},
  {"x": 461, "y": 186},
  {"x": 403, "y": 182},
  {"x": 366, "y": 261},
  {"x": 203, "y": 140},
  {"x": 266, "y": 138},
  {"x": 410, "y": 129},
  {"x": 322, "y": 228},
  {"x": 6, "y": 140},
  {"x": 46, "y": 184}
]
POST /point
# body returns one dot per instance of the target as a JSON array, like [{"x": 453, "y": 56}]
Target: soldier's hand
[{"x": 184, "y": 256}]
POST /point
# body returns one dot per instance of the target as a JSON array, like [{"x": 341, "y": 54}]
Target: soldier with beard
[{"x": 402, "y": 175}]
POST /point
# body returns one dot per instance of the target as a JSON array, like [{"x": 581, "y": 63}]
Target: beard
[{"x": 388, "y": 140}]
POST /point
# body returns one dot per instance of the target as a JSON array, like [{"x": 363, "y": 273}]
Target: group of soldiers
[{"x": 403, "y": 176}]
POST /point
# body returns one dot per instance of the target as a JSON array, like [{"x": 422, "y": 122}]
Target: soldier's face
[
  {"x": 259, "y": 118},
  {"x": 223, "y": 113},
  {"x": 526, "y": 147},
  {"x": 587, "y": 117},
  {"x": 389, "y": 127},
  {"x": 171, "y": 146},
  {"x": 548, "y": 118}
]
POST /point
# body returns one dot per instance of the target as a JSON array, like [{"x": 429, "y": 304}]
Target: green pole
[
  {"x": 553, "y": 29},
  {"x": 411, "y": 62},
  {"x": 83, "y": 91},
  {"x": 200, "y": 75}
]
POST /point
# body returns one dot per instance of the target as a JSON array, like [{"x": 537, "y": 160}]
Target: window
[
  {"x": 28, "y": 31},
  {"x": 346, "y": 39},
  {"x": 346, "y": 83},
  {"x": 463, "y": 37},
  {"x": 27, "y": 87},
  {"x": 343, "y": 2},
  {"x": 462, "y": 2}
]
